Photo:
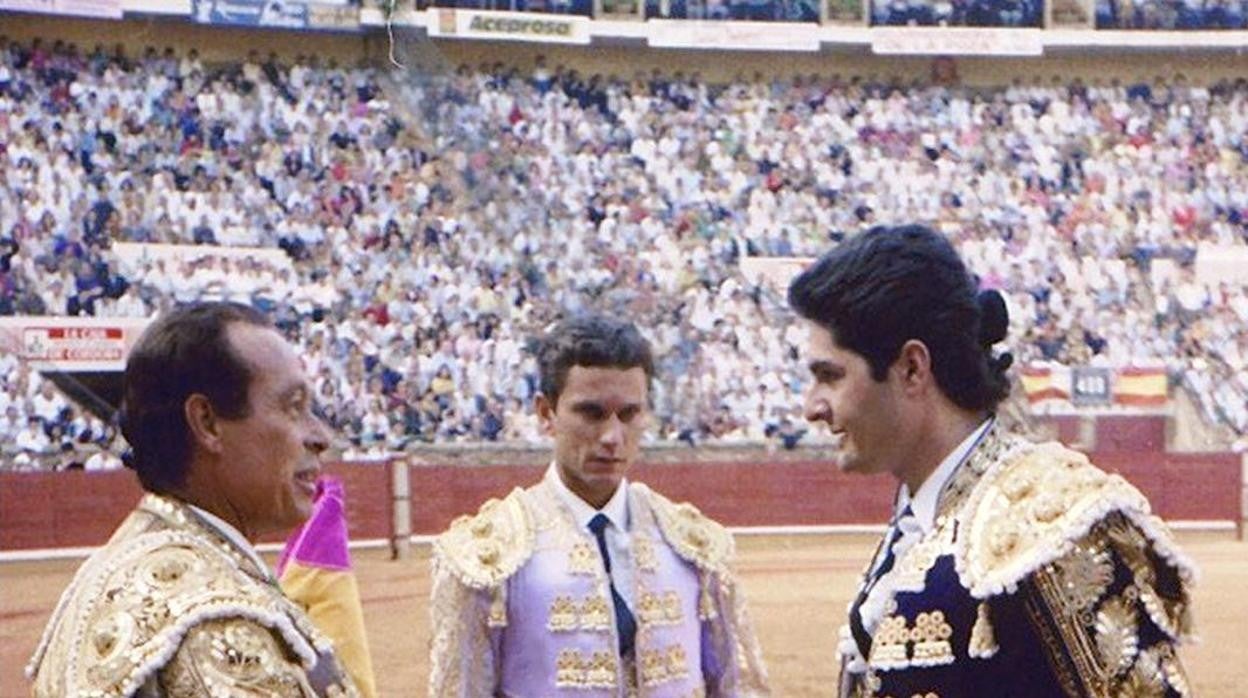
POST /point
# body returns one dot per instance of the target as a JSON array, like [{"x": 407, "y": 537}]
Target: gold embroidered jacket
[
  {"x": 521, "y": 605},
  {"x": 1043, "y": 576},
  {"x": 170, "y": 607}
]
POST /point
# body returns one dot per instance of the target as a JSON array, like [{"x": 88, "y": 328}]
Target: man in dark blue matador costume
[{"x": 1009, "y": 568}]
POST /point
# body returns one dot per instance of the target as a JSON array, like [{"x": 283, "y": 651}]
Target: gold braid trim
[
  {"x": 483, "y": 550},
  {"x": 1029, "y": 510},
  {"x": 693, "y": 535},
  {"x": 136, "y": 603}
]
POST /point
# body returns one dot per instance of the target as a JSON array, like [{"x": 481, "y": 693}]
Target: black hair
[
  {"x": 183, "y": 353},
  {"x": 888, "y": 285},
  {"x": 591, "y": 340}
]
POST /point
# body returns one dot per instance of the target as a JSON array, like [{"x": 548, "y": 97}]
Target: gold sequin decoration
[
  {"x": 649, "y": 609},
  {"x": 1116, "y": 635},
  {"x": 911, "y": 571},
  {"x": 564, "y": 616},
  {"x": 1084, "y": 575},
  {"x": 600, "y": 671},
  {"x": 653, "y": 667},
  {"x": 595, "y": 614},
  {"x": 983, "y": 644},
  {"x": 498, "y": 608},
  {"x": 706, "y": 601},
  {"x": 645, "y": 555},
  {"x": 655, "y": 610},
  {"x": 672, "y": 612},
  {"x": 889, "y": 645},
  {"x": 931, "y": 640},
  {"x": 677, "y": 663},
  {"x": 1146, "y": 680},
  {"x": 568, "y": 672},
  {"x": 581, "y": 560}
]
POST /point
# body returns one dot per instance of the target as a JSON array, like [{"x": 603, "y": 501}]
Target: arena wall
[{"x": 76, "y": 509}]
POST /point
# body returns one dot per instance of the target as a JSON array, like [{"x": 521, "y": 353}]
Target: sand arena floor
[{"x": 798, "y": 587}]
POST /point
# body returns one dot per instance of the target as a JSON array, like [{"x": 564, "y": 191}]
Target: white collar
[
  {"x": 923, "y": 503},
  {"x": 616, "y": 508},
  {"x": 233, "y": 536}
]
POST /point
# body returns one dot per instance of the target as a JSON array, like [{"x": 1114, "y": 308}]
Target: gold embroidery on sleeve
[{"x": 1116, "y": 634}]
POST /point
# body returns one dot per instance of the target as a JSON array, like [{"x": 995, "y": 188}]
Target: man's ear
[
  {"x": 545, "y": 414},
  {"x": 203, "y": 422},
  {"x": 914, "y": 367}
]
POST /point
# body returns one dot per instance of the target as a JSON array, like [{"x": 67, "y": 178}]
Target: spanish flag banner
[
  {"x": 315, "y": 572},
  {"x": 1141, "y": 387},
  {"x": 1045, "y": 382}
]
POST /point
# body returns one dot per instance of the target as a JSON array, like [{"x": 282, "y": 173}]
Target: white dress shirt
[
  {"x": 619, "y": 546},
  {"x": 924, "y": 502}
]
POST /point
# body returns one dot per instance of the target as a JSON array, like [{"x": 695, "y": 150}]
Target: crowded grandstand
[{"x": 412, "y": 236}]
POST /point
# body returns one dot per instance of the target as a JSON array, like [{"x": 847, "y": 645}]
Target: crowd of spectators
[
  {"x": 1171, "y": 14},
  {"x": 434, "y": 226}
]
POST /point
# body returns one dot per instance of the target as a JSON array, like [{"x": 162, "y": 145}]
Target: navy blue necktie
[
  {"x": 625, "y": 623},
  {"x": 861, "y": 637}
]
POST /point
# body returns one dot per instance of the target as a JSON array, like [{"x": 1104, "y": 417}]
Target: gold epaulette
[
  {"x": 485, "y": 549},
  {"x": 694, "y": 536},
  {"x": 1031, "y": 510},
  {"x": 127, "y": 614}
]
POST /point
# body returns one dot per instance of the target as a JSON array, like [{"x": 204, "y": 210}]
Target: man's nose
[
  {"x": 319, "y": 437},
  {"x": 612, "y": 432},
  {"x": 816, "y": 408}
]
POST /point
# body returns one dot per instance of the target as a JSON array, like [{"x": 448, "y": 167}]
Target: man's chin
[{"x": 850, "y": 463}]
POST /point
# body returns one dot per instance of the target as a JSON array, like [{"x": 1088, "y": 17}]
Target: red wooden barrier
[{"x": 52, "y": 510}]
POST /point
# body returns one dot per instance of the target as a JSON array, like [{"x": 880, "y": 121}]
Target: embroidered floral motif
[
  {"x": 910, "y": 574},
  {"x": 1146, "y": 679},
  {"x": 581, "y": 560},
  {"x": 672, "y": 613},
  {"x": 563, "y": 615},
  {"x": 1116, "y": 635},
  {"x": 595, "y": 614},
  {"x": 600, "y": 671},
  {"x": 568, "y": 672},
  {"x": 645, "y": 555},
  {"x": 656, "y": 610},
  {"x": 653, "y": 667},
  {"x": 1084, "y": 574},
  {"x": 677, "y": 663}
]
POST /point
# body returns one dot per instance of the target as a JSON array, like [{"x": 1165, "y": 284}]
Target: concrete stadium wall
[{"x": 55, "y": 510}]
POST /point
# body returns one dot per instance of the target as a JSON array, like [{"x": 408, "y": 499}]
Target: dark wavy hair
[
  {"x": 592, "y": 340},
  {"x": 183, "y": 353},
  {"x": 888, "y": 285}
]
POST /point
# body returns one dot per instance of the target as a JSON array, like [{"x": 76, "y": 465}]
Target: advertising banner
[
  {"x": 286, "y": 14},
  {"x": 508, "y": 26},
  {"x": 104, "y": 9},
  {"x": 955, "y": 41},
  {"x": 754, "y": 36},
  {"x": 71, "y": 343}
]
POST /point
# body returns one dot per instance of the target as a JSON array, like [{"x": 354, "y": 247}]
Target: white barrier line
[
  {"x": 39, "y": 554},
  {"x": 1199, "y": 525}
]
